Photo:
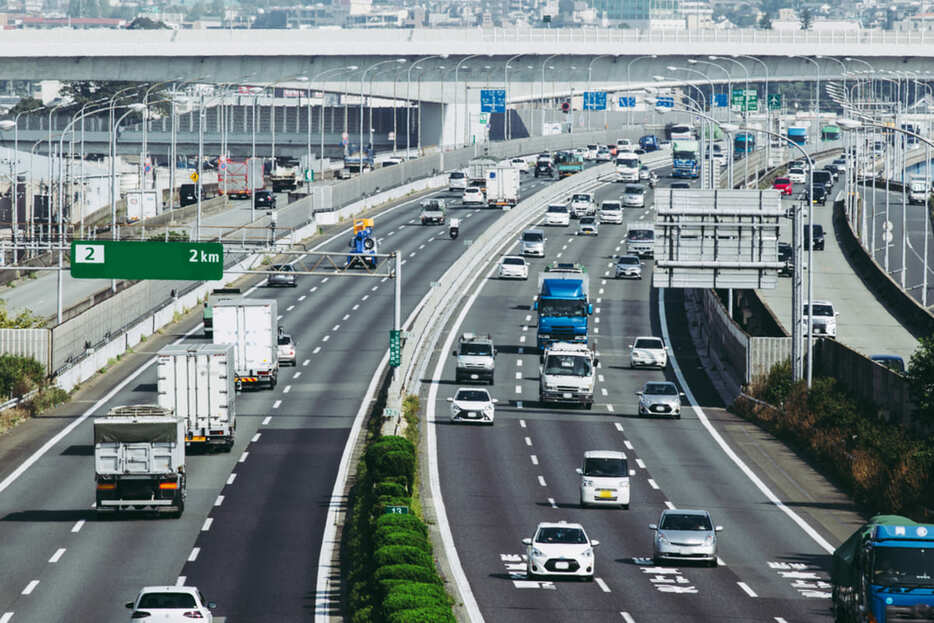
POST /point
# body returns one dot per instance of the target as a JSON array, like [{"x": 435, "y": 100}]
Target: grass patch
[{"x": 883, "y": 466}]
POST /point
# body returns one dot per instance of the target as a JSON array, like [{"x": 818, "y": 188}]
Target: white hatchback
[
  {"x": 797, "y": 175},
  {"x": 473, "y": 196},
  {"x": 560, "y": 549},
  {"x": 521, "y": 164},
  {"x": 557, "y": 214},
  {"x": 634, "y": 196},
  {"x": 611, "y": 212},
  {"x": 470, "y": 404},
  {"x": 604, "y": 479},
  {"x": 648, "y": 352},
  {"x": 170, "y": 604},
  {"x": 513, "y": 267}
]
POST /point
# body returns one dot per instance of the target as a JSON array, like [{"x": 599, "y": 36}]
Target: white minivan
[
  {"x": 557, "y": 214},
  {"x": 457, "y": 180},
  {"x": 604, "y": 479},
  {"x": 532, "y": 243},
  {"x": 611, "y": 212}
]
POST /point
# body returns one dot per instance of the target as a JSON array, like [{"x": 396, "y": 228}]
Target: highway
[
  {"x": 254, "y": 518},
  {"x": 498, "y": 482}
]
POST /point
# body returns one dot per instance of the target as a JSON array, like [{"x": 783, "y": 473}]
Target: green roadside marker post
[
  {"x": 395, "y": 348},
  {"x": 112, "y": 259}
]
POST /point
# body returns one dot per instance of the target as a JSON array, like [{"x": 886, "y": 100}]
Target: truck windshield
[
  {"x": 476, "y": 350},
  {"x": 606, "y": 467},
  {"x": 683, "y": 155},
  {"x": 567, "y": 365},
  {"x": 556, "y": 307},
  {"x": 901, "y": 565}
]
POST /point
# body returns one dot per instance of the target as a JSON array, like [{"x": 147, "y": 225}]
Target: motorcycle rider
[{"x": 454, "y": 227}]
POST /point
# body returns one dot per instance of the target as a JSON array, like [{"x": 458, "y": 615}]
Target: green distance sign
[{"x": 112, "y": 259}]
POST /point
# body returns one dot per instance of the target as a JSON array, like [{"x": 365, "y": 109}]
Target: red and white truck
[{"x": 240, "y": 178}]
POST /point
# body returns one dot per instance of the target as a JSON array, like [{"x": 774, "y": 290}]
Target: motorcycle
[
  {"x": 653, "y": 180},
  {"x": 454, "y": 229}
]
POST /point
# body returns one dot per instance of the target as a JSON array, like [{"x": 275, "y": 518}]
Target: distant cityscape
[{"x": 633, "y": 14}]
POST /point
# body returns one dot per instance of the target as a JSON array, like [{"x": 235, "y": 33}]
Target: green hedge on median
[{"x": 390, "y": 574}]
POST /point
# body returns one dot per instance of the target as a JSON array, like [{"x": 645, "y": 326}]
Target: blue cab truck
[
  {"x": 563, "y": 304},
  {"x": 649, "y": 142},
  {"x": 684, "y": 159},
  {"x": 363, "y": 245},
  {"x": 744, "y": 143},
  {"x": 797, "y": 134},
  {"x": 884, "y": 573}
]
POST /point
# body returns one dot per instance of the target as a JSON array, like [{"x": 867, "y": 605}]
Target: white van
[
  {"x": 604, "y": 479},
  {"x": 457, "y": 180},
  {"x": 532, "y": 243},
  {"x": 611, "y": 212}
]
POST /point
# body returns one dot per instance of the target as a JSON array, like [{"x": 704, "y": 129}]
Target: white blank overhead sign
[{"x": 716, "y": 238}]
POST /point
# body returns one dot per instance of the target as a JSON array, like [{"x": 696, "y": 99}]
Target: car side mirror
[
  {"x": 535, "y": 306},
  {"x": 579, "y": 471},
  {"x": 450, "y": 399},
  {"x": 637, "y": 394},
  {"x": 211, "y": 605},
  {"x": 527, "y": 541},
  {"x": 590, "y": 309},
  {"x": 495, "y": 400},
  {"x": 629, "y": 346},
  {"x": 718, "y": 529},
  {"x": 129, "y": 605},
  {"x": 453, "y": 353},
  {"x": 682, "y": 395},
  {"x": 594, "y": 542},
  {"x": 653, "y": 526}
]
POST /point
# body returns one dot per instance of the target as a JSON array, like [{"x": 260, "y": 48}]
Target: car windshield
[
  {"x": 649, "y": 342},
  {"x": 683, "y": 155},
  {"x": 567, "y": 365},
  {"x": 574, "y": 536},
  {"x": 479, "y": 350},
  {"x": 902, "y": 566},
  {"x": 283, "y": 268},
  {"x": 685, "y": 521},
  {"x": 472, "y": 395},
  {"x": 159, "y": 601},
  {"x": 820, "y": 310},
  {"x": 796, "y": 171},
  {"x": 634, "y": 190},
  {"x": 515, "y": 261},
  {"x": 285, "y": 340},
  {"x": 627, "y": 162},
  {"x": 531, "y": 236},
  {"x": 457, "y": 175},
  {"x": 610, "y": 205},
  {"x": 580, "y": 197},
  {"x": 821, "y": 175},
  {"x": 587, "y": 220},
  {"x": 782, "y": 180},
  {"x": 640, "y": 234},
  {"x": 557, "y": 307},
  {"x": 627, "y": 259},
  {"x": 472, "y": 191},
  {"x": 558, "y": 209},
  {"x": 661, "y": 389},
  {"x": 606, "y": 467}
]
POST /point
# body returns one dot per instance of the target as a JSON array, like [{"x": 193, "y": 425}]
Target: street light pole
[
  {"x": 507, "y": 131},
  {"x": 544, "y": 63},
  {"x": 15, "y": 167},
  {"x": 629, "y": 76}
]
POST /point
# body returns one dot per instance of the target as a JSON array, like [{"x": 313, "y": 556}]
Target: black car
[
  {"x": 680, "y": 185},
  {"x": 834, "y": 170},
  {"x": 265, "y": 199},
  {"x": 824, "y": 178},
  {"x": 188, "y": 194},
  {"x": 820, "y": 194},
  {"x": 815, "y": 232},
  {"x": 785, "y": 255},
  {"x": 544, "y": 168}
]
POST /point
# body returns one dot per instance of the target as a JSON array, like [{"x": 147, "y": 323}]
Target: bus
[
  {"x": 830, "y": 133},
  {"x": 744, "y": 143}
]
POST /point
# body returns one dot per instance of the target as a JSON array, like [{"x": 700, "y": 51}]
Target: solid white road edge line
[{"x": 805, "y": 526}]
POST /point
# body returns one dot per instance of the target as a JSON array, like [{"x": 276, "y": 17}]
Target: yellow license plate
[
  {"x": 605, "y": 494},
  {"x": 198, "y": 438}
]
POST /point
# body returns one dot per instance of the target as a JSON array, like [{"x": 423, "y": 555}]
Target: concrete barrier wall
[
  {"x": 33, "y": 343},
  {"x": 868, "y": 381}
]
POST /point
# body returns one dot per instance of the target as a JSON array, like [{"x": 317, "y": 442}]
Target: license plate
[
  {"x": 605, "y": 494},
  {"x": 562, "y": 565},
  {"x": 473, "y": 414},
  {"x": 566, "y": 395},
  {"x": 197, "y": 438},
  {"x": 474, "y": 376}
]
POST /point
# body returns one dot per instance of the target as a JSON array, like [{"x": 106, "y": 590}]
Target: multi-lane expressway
[
  {"x": 498, "y": 482},
  {"x": 253, "y": 524}
]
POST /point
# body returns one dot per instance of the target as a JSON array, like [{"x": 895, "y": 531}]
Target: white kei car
[
  {"x": 557, "y": 214},
  {"x": 471, "y": 404},
  {"x": 604, "y": 479},
  {"x": 170, "y": 604},
  {"x": 648, "y": 352},
  {"x": 513, "y": 267},
  {"x": 521, "y": 164},
  {"x": 588, "y": 226},
  {"x": 611, "y": 212},
  {"x": 560, "y": 549}
]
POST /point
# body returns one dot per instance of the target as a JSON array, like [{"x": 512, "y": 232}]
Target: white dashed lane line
[
  {"x": 266, "y": 420},
  {"x": 534, "y": 459},
  {"x": 669, "y": 505},
  {"x": 243, "y": 457},
  {"x": 301, "y": 298},
  {"x": 255, "y": 438},
  {"x": 57, "y": 555},
  {"x": 276, "y": 404},
  {"x": 30, "y": 587},
  {"x": 618, "y": 426},
  {"x": 518, "y": 389},
  {"x": 627, "y": 617},
  {"x": 325, "y": 280},
  {"x": 307, "y": 361},
  {"x": 231, "y": 478},
  {"x": 325, "y": 338},
  {"x": 346, "y": 316},
  {"x": 314, "y": 352},
  {"x": 653, "y": 484},
  {"x": 336, "y": 327},
  {"x": 313, "y": 289},
  {"x": 207, "y": 524},
  {"x": 602, "y": 585},
  {"x": 552, "y": 502},
  {"x": 628, "y": 444},
  {"x": 541, "y": 481},
  {"x": 355, "y": 307},
  {"x": 78, "y": 525},
  {"x": 287, "y": 389},
  {"x": 6, "y": 617},
  {"x": 521, "y": 423},
  {"x": 640, "y": 463},
  {"x": 528, "y": 441},
  {"x": 193, "y": 556},
  {"x": 374, "y": 288},
  {"x": 180, "y": 580},
  {"x": 219, "y": 500},
  {"x": 290, "y": 308},
  {"x": 297, "y": 374}
]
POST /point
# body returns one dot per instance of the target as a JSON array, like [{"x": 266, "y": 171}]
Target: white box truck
[
  {"x": 502, "y": 186},
  {"x": 139, "y": 460},
  {"x": 251, "y": 326},
  {"x": 240, "y": 179},
  {"x": 196, "y": 381},
  {"x": 918, "y": 190},
  {"x": 141, "y": 205}
]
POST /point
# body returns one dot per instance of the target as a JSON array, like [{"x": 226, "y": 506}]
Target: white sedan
[
  {"x": 797, "y": 175},
  {"x": 560, "y": 549},
  {"x": 521, "y": 164},
  {"x": 588, "y": 226},
  {"x": 473, "y": 196},
  {"x": 513, "y": 267},
  {"x": 472, "y": 405},
  {"x": 648, "y": 352},
  {"x": 170, "y": 604}
]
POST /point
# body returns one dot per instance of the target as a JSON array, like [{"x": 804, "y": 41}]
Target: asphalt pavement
[
  {"x": 252, "y": 528},
  {"x": 498, "y": 482}
]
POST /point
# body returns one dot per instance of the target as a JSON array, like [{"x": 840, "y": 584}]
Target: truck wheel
[
  {"x": 229, "y": 444},
  {"x": 180, "y": 508},
  {"x": 588, "y": 406}
]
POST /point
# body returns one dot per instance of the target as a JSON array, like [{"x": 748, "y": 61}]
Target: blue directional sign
[
  {"x": 665, "y": 102},
  {"x": 594, "y": 100},
  {"x": 720, "y": 100},
  {"x": 492, "y": 100},
  {"x": 627, "y": 101}
]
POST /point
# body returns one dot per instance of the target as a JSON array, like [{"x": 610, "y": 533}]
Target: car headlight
[
  {"x": 661, "y": 537},
  {"x": 551, "y": 385},
  {"x": 488, "y": 410},
  {"x": 588, "y": 386},
  {"x": 587, "y": 553},
  {"x": 455, "y": 409},
  {"x": 537, "y": 553},
  {"x": 708, "y": 540},
  {"x": 587, "y": 482},
  {"x": 623, "y": 484}
]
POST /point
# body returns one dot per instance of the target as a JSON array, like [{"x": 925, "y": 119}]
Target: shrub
[
  {"x": 420, "y": 588},
  {"x": 408, "y": 522},
  {"x": 391, "y": 535},
  {"x": 432, "y": 614},
  {"x": 412, "y": 573},
  {"x": 376, "y": 452},
  {"x": 397, "y": 463},
  {"x": 389, "y": 488},
  {"x": 21, "y": 373},
  {"x": 401, "y": 597},
  {"x": 401, "y": 555}
]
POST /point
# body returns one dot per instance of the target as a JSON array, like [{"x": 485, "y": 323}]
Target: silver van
[{"x": 532, "y": 243}]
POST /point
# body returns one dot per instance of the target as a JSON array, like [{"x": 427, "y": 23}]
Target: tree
[
  {"x": 27, "y": 103},
  {"x": 806, "y": 18},
  {"x": 921, "y": 377},
  {"x": 144, "y": 23},
  {"x": 765, "y": 22}
]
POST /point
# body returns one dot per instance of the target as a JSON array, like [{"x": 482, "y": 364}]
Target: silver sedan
[
  {"x": 629, "y": 267},
  {"x": 685, "y": 535}
]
